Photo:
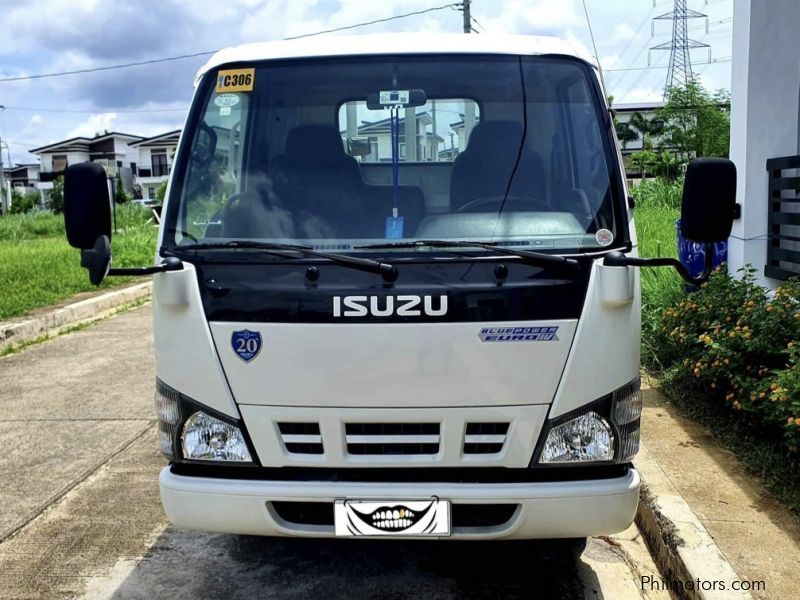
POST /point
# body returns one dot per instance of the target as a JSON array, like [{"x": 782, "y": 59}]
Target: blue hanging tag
[{"x": 394, "y": 226}]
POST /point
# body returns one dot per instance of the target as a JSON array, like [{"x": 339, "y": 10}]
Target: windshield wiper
[
  {"x": 538, "y": 259},
  {"x": 386, "y": 270}
]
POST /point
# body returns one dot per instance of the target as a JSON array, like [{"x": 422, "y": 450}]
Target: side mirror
[
  {"x": 205, "y": 145},
  {"x": 87, "y": 216},
  {"x": 709, "y": 200}
]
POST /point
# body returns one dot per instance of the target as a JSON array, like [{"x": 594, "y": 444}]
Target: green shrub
[
  {"x": 56, "y": 195},
  {"x": 739, "y": 345},
  {"x": 23, "y": 203}
]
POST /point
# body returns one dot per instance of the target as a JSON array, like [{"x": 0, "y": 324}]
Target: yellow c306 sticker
[{"x": 235, "y": 80}]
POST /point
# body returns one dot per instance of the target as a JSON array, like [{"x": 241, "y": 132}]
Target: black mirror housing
[
  {"x": 709, "y": 200},
  {"x": 87, "y": 206}
]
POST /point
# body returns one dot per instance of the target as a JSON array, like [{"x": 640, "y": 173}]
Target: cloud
[{"x": 94, "y": 124}]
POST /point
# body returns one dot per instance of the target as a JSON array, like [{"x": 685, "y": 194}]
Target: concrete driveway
[{"x": 80, "y": 514}]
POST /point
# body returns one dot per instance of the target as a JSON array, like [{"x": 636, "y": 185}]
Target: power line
[
  {"x": 376, "y": 21},
  {"x": 208, "y": 52},
  {"x": 711, "y": 62}
]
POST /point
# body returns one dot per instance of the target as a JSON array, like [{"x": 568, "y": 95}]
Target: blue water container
[{"x": 692, "y": 255}]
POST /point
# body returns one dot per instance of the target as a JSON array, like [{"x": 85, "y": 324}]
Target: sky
[{"x": 45, "y": 36}]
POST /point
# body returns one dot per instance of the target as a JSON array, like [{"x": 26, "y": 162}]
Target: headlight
[
  {"x": 584, "y": 438},
  {"x": 207, "y": 438},
  {"x": 607, "y": 430},
  {"x": 188, "y": 431}
]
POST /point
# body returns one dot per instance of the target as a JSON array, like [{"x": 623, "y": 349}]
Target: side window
[
  {"x": 215, "y": 163},
  {"x": 440, "y": 128}
]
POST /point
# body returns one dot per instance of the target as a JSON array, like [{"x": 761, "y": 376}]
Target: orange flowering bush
[{"x": 739, "y": 344}]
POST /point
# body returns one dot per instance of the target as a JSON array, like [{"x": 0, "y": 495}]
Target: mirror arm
[
  {"x": 618, "y": 259},
  {"x": 171, "y": 263}
]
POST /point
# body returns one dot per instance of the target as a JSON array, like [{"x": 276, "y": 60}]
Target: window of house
[
  {"x": 442, "y": 129},
  {"x": 59, "y": 162},
  {"x": 151, "y": 193},
  {"x": 159, "y": 160}
]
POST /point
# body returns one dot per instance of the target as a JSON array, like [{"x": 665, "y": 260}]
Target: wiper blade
[
  {"x": 386, "y": 270},
  {"x": 538, "y": 259}
]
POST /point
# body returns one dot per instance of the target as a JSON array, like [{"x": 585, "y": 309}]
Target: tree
[
  {"x": 120, "y": 195},
  {"x": 695, "y": 122},
  {"x": 647, "y": 127},
  {"x": 625, "y": 132},
  {"x": 56, "y": 203},
  {"x": 161, "y": 192}
]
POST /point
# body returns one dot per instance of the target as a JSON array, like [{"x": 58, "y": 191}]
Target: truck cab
[{"x": 385, "y": 302}]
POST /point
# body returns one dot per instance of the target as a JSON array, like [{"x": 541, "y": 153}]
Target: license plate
[{"x": 392, "y": 517}]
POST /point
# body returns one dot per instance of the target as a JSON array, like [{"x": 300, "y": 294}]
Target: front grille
[
  {"x": 301, "y": 438},
  {"x": 463, "y": 515},
  {"x": 392, "y": 439},
  {"x": 485, "y": 438}
]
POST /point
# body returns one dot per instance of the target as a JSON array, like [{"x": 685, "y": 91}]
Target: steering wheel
[{"x": 512, "y": 203}]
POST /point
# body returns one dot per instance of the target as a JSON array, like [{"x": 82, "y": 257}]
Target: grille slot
[
  {"x": 301, "y": 438},
  {"x": 392, "y": 439},
  {"x": 485, "y": 438}
]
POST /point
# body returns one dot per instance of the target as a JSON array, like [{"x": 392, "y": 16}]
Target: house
[
  {"x": 379, "y": 135},
  {"x": 154, "y": 161},
  {"x": 112, "y": 150},
  {"x": 23, "y": 178},
  {"x": 765, "y": 139}
]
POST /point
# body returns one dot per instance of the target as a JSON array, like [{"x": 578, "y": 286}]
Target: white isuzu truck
[{"x": 396, "y": 291}]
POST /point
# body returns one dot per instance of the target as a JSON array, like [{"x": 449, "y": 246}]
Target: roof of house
[
  {"x": 81, "y": 143},
  {"x": 19, "y": 168},
  {"x": 394, "y": 44},
  {"x": 636, "y": 106},
  {"x": 162, "y": 139},
  {"x": 384, "y": 125}
]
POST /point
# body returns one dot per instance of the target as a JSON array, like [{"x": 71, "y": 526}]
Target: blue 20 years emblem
[{"x": 246, "y": 344}]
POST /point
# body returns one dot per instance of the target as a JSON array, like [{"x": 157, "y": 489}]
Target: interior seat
[
  {"x": 483, "y": 169},
  {"x": 319, "y": 183}
]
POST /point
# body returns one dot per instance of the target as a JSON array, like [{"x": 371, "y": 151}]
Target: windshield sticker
[
  {"x": 224, "y": 100},
  {"x": 236, "y": 80},
  {"x": 246, "y": 344},
  {"x": 224, "y": 111},
  {"x": 604, "y": 237},
  {"x": 519, "y": 334}
]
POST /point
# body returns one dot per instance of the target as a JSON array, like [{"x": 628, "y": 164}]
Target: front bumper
[{"x": 553, "y": 509}]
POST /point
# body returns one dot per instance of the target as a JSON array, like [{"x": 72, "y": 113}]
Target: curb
[
  {"x": 28, "y": 329},
  {"x": 681, "y": 546}
]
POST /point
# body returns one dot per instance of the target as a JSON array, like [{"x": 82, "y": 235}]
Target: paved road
[{"x": 80, "y": 515}]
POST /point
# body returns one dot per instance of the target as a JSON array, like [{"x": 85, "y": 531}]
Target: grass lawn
[
  {"x": 39, "y": 268},
  {"x": 657, "y": 209}
]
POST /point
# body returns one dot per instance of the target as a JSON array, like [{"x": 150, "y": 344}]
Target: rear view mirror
[
  {"x": 709, "y": 200},
  {"x": 396, "y": 98},
  {"x": 87, "y": 217}
]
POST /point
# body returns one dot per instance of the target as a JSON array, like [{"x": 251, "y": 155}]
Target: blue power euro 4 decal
[
  {"x": 246, "y": 344},
  {"x": 518, "y": 334}
]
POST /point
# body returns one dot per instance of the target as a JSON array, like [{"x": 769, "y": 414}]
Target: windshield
[{"x": 339, "y": 153}]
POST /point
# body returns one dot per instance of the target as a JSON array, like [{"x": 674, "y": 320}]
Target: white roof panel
[{"x": 395, "y": 43}]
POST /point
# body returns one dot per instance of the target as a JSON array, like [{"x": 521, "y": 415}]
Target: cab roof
[{"x": 396, "y": 43}]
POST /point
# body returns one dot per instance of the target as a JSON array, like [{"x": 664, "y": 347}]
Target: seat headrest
[
  {"x": 491, "y": 136},
  {"x": 319, "y": 143}
]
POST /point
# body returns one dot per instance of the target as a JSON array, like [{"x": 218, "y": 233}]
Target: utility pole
[
  {"x": 3, "y": 195},
  {"x": 467, "y": 16}
]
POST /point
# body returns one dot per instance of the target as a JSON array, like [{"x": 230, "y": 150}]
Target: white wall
[{"x": 765, "y": 111}]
